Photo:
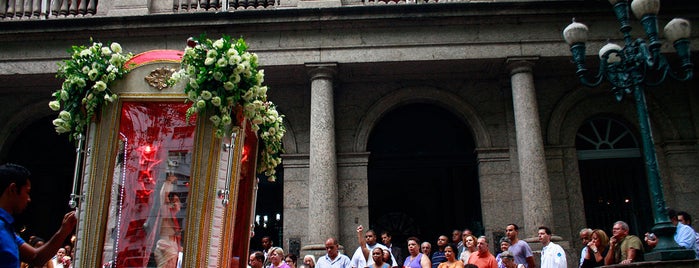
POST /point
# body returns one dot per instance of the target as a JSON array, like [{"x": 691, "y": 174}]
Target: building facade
[{"x": 364, "y": 85}]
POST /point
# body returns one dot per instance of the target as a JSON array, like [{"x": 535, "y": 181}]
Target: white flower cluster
[
  {"x": 222, "y": 74},
  {"x": 87, "y": 76}
]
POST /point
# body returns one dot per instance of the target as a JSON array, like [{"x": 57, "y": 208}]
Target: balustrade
[
  {"x": 56, "y": 9},
  {"x": 46, "y": 9}
]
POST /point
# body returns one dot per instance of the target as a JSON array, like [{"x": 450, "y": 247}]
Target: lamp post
[{"x": 629, "y": 69}]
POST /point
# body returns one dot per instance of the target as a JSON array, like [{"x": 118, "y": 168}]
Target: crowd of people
[
  {"x": 465, "y": 250},
  {"x": 623, "y": 248}
]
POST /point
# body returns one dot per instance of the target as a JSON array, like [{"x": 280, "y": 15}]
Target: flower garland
[
  {"x": 87, "y": 76},
  {"x": 221, "y": 74}
]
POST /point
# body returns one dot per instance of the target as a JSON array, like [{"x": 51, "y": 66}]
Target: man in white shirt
[
  {"x": 358, "y": 260},
  {"x": 552, "y": 255},
  {"x": 585, "y": 237}
]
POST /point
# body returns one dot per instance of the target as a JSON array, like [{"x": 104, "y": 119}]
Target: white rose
[
  {"x": 65, "y": 115},
  {"x": 228, "y": 85},
  {"x": 206, "y": 95},
  {"x": 55, "y": 105},
  {"x": 85, "y": 53},
  {"x": 218, "y": 44},
  {"x": 115, "y": 47},
  {"x": 100, "y": 86},
  {"x": 216, "y": 101},
  {"x": 106, "y": 51}
]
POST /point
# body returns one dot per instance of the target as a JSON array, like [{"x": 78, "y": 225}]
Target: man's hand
[
  {"x": 69, "y": 220},
  {"x": 612, "y": 242}
]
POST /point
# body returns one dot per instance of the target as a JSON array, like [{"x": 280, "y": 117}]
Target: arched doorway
[
  {"x": 51, "y": 159},
  {"x": 422, "y": 174},
  {"x": 612, "y": 175}
]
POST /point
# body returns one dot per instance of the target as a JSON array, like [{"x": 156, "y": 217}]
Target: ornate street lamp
[{"x": 629, "y": 70}]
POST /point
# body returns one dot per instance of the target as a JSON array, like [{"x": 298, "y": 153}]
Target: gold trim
[{"x": 158, "y": 78}]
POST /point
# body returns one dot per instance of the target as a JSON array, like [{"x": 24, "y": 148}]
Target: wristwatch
[{"x": 594, "y": 251}]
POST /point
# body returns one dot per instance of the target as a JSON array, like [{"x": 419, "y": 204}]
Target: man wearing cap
[
  {"x": 552, "y": 255},
  {"x": 15, "y": 187},
  {"x": 504, "y": 246},
  {"x": 508, "y": 260}
]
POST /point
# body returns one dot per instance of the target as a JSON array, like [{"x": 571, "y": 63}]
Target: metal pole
[{"x": 667, "y": 248}]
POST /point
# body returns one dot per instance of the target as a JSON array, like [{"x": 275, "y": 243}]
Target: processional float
[{"x": 166, "y": 170}]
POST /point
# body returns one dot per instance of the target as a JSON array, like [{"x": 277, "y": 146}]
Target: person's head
[
  {"x": 277, "y": 256},
  {"x": 413, "y": 247},
  {"x": 585, "y": 236},
  {"x": 544, "y": 235},
  {"x": 505, "y": 243},
  {"x": 426, "y": 248},
  {"x": 512, "y": 230},
  {"x": 36, "y": 241},
  {"x": 442, "y": 241},
  {"x": 507, "y": 257},
  {"x": 173, "y": 200},
  {"x": 386, "y": 238},
  {"x": 471, "y": 243},
  {"x": 387, "y": 256},
  {"x": 684, "y": 218},
  {"x": 257, "y": 259},
  {"x": 15, "y": 188},
  {"x": 464, "y": 234},
  {"x": 620, "y": 229},
  {"x": 290, "y": 259},
  {"x": 370, "y": 236},
  {"x": 482, "y": 244},
  {"x": 377, "y": 255},
  {"x": 450, "y": 251},
  {"x": 331, "y": 247},
  {"x": 672, "y": 214},
  {"x": 599, "y": 238},
  {"x": 266, "y": 242},
  {"x": 456, "y": 236},
  {"x": 61, "y": 253},
  {"x": 309, "y": 260},
  {"x": 470, "y": 265}
]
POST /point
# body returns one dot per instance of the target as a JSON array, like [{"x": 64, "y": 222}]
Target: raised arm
[
  {"x": 362, "y": 242},
  {"x": 39, "y": 256}
]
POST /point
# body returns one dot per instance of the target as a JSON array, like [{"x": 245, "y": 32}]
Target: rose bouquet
[
  {"x": 220, "y": 75},
  {"x": 87, "y": 76}
]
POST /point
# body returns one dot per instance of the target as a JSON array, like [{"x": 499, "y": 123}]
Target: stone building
[{"x": 411, "y": 117}]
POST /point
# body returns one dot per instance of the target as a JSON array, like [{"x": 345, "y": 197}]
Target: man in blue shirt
[
  {"x": 14, "y": 197},
  {"x": 333, "y": 259},
  {"x": 684, "y": 235}
]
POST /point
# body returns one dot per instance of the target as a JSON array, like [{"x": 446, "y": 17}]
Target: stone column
[
  {"x": 323, "y": 218},
  {"x": 536, "y": 197}
]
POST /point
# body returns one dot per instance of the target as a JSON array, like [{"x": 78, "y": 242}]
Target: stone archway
[
  {"x": 422, "y": 156},
  {"x": 51, "y": 159},
  {"x": 574, "y": 111}
]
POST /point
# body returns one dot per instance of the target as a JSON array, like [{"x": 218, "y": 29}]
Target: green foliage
[
  {"x": 87, "y": 77},
  {"x": 220, "y": 75}
]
